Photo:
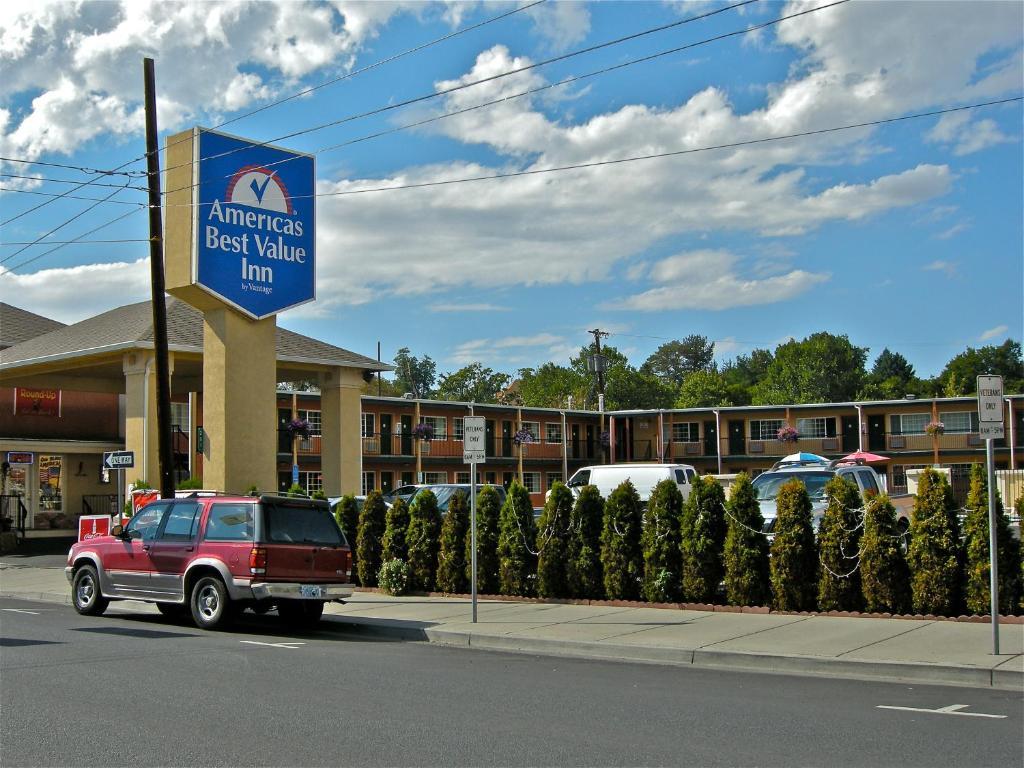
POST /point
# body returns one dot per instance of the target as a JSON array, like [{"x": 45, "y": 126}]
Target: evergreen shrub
[
  {"x": 885, "y": 578},
  {"x": 553, "y": 542},
  {"x": 702, "y": 540},
  {"x": 393, "y": 577},
  {"x": 451, "y": 560},
  {"x": 396, "y": 527},
  {"x": 839, "y": 582},
  {"x": 621, "y": 556},
  {"x": 660, "y": 543},
  {"x": 347, "y": 514},
  {"x": 934, "y": 551},
  {"x": 793, "y": 564},
  {"x": 517, "y": 541},
  {"x": 977, "y": 592},
  {"x": 583, "y": 558},
  {"x": 488, "y": 507},
  {"x": 368, "y": 539},
  {"x": 746, "y": 548},
  {"x": 423, "y": 539}
]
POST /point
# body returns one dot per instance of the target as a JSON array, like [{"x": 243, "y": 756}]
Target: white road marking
[
  {"x": 952, "y": 709},
  {"x": 20, "y": 610},
  {"x": 290, "y": 645}
]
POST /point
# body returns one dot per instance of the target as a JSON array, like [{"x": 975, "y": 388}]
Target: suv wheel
[
  {"x": 210, "y": 604},
  {"x": 86, "y": 592},
  {"x": 301, "y": 613}
]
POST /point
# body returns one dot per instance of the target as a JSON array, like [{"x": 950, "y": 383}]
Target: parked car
[
  {"x": 213, "y": 556},
  {"x": 608, "y": 477},
  {"x": 403, "y": 492},
  {"x": 814, "y": 475},
  {"x": 445, "y": 491}
]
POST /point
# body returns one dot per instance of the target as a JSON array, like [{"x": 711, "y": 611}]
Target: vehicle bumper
[{"x": 290, "y": 591}]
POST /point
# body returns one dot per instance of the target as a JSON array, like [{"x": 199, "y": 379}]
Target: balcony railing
[{"x": 958, "y": 441}]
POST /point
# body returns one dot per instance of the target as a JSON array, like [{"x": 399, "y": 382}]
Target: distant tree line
[{"x": 683, "y": 373}]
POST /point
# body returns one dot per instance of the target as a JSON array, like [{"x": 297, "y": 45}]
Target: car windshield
[
  {"x": 294, "y": 524},
  {"x": 768, "y": 484}
]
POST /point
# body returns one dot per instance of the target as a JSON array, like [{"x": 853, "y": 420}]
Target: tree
[
  {"x": 517, "y": 538},
  {"x": 660, "y": 542},
  {"x": 472, "y": 384},
  {"x": 424, "y": 541},
  {"x": 621, "y": 556},
  {"x": 347, "y": 515},
  {"x": 746, "y": 548},
  {"x": 822, "y": 368},
  {"x": 614, "y": 358},
  {"x": 890, "y": 365},
  {"x": 488, "y": 506},
  {"x": 839, "y": 548},
  {"x": 1003, "y": 360},
  {"x": 885, "y": 578},
  {"x": 583, "y": 558},
  {"x": 553, "y": 542},
  {"x": 451, "y": 560},
  {"x": 369, "y": 546},
  {"x": 674, "y": 361},
  {"x": 551, "y": 386},
  {"x": 413, "y": 374},
  {"x": 934, "y": 552},
  {"x": 793, "y": 564},
  {"x": 702, "y": 540},
  {"x": 743, "y": 373},
  {"x": 704, "y": 389},
  {"x": 626, "y": 387},
  {"x": 977, "y": 591},
  {"x": 396, "y": 527},
  {"x": 892, "y": 377}
]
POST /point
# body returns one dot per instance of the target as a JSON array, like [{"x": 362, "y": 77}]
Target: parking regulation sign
[
  {"x": 254, "y": 224},
  {"x": 473, "y": 430}
]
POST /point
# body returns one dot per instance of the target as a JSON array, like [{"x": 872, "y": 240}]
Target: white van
[{"x": 608, "y": 477}]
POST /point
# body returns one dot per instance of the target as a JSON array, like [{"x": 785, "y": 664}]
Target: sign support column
[
  {"x": 473, "y": 432},
  {"x": 990, "y": 425}
]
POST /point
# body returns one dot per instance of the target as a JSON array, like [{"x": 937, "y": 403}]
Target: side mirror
[{"x": 117, "y": 530}]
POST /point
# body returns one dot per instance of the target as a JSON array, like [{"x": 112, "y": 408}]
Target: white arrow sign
[{"x": 119, "y": 460}]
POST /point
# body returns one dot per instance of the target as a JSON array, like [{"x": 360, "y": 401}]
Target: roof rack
[
  {"x": 800, "y": 463},
  {"x": 847, "y": 463}
]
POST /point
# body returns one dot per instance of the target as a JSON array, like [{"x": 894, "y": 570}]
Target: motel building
[{"x": 70, "y": 393}]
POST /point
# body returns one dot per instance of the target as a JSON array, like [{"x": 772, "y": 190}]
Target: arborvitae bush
[
  {"x": 660, "y": 543},
  {"x": 347, "y": 514},
  {"x": 976, "y": 550},
  {"x": 621, "y": 556},
  {"x": 423, "y": 540},
  {"x": 488, "y": 507},
  {"x": 368, "y": 539},
  {"x": 396, "y": 527},
  {"x": 794, "y": 558},
  {"x": 884, "y": 576},
  {"x": 839, "y": 548},
  {"x": 552, "y": 543},
  {"x": 746, "y": 549},
  {"x": 934, "y": 552},
  {"x": 702, "y": 540},
  {"x": 583, "y": 559},
  {"x": 517, "y": 542},
  {"x": 451, "y": 561}
]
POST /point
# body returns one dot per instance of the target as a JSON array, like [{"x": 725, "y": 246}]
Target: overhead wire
[
  {"x": 50, "y": 180},
  {"x": 16, "y": 191},
  {"x": 80, "y": 168}
]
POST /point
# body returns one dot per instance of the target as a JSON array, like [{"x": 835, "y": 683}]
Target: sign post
[
  {"x": 474, "y": 429},
  {"x": 990, "y": 422},
  {"x": 120, "y": 461}
]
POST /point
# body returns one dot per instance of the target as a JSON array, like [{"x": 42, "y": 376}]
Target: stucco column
[
  {"x": 140, "y": 424},
  {"x": 341, "y": 445},
  {"x": 239, "y": 402}
]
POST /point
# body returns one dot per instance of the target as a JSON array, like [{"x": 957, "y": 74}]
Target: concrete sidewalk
[{"x": 911, "y": 650}]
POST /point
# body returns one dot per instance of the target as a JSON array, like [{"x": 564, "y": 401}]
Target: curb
[{"x": 737, "y": 661}]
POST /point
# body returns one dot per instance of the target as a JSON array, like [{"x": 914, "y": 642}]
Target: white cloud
[
  {"x": 467, "y": 308},
  {"x": 710, "y": 279},
  {"x": 994, "y": 333},
  {"x": 966, "y": 135},
  {"x": 953, "y": 231},
  {"x": 948, "y": 268},
  {"x": 514, "y": 350}
]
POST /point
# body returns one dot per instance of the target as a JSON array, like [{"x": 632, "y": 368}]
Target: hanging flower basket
[
  {"x": 935, "y": 428},
  {"x": 787, "y": 434},
  {"x": 522, "y": 437},
  {"x": 423, "y": 431},
  {"x": 298, "y": 427}
]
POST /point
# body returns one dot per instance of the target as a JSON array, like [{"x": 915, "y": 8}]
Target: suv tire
[
  {"x": 211, "y": 607},
  {"x": 301, "y": 614},
  {"x": 86, "y": 592}
]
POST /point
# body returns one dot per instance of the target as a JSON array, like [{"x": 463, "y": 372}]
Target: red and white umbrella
[{"x": 867, "y": 458}]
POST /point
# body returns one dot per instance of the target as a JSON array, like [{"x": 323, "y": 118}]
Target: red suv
[{"x": 213, "y": 556}]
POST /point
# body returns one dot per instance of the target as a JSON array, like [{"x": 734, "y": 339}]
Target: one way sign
[{"x": 119, "y": 460}]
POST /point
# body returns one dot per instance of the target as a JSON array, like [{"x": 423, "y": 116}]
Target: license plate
[{"x": 310, "y": 591}]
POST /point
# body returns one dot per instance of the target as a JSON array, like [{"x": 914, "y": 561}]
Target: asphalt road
[{"x": 134, "y": 688}]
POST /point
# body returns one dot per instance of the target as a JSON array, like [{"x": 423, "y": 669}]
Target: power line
[
  {"x": 142, "y": 174},
  {"x": 50, "y": 180},
  {"x": 80, "y": 168},
  {"x": 82, "y": 242},
  {"x": 492, "y": 78},
  {"x": 67, "y": 196}
]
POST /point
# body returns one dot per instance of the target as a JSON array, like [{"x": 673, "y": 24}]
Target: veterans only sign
[{"x": 254, "y": 226}]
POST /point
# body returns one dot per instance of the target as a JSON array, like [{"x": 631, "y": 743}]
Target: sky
[{"x": 906, "y": 235}]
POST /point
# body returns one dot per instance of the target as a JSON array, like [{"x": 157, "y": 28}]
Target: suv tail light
[{"x": 258, "y": 560}]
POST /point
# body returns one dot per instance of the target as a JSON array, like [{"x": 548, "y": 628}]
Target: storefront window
[{"x": 49, "y": 483}]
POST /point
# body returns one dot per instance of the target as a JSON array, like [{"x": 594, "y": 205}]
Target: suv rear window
[
  {"x": 288, "y": 524},
  {"x": 230, "y": 522}
]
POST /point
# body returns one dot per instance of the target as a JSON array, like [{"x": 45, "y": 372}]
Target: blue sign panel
[{"x": 255, "y": 229}]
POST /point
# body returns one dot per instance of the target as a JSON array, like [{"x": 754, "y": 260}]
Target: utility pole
[
  {"x": 156, "y": 273},
  {"x": 598, "y": 364}
]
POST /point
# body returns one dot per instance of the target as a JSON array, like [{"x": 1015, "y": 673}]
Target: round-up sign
[{"x": 254, "y": 224}]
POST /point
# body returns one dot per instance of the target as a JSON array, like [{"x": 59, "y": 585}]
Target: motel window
[
  {"x": 554, "y": 477},
  {"x": 959, "y": 422},
  {"x": 439, "y": 424},
  {"x": 533, "y": 427},
  {"x": 462, "y": 477},
  {"x": 311, "y": 482},
  {"x": 765, "y": 429},
  {"x": 531, "y": 481},
  {"x": 369, "y": 482},
  {"x": 686, "y": 432},
  {"x": 458, "y": 428},
  {"x": 433, "y": 478},
  {"x": 369, "y": 421},
  {"x": 818, "y": 426},
  {"x": 553, "y": 432},
  {"x": 313, "y": 417},
  {"x": 908, "y": 423}
]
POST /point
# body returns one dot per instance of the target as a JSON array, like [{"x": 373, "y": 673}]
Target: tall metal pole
[
  {"x": 156, "y": 272},
  {"x": 472, "y": 533},
  {"x": 993, "y": 556}
]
